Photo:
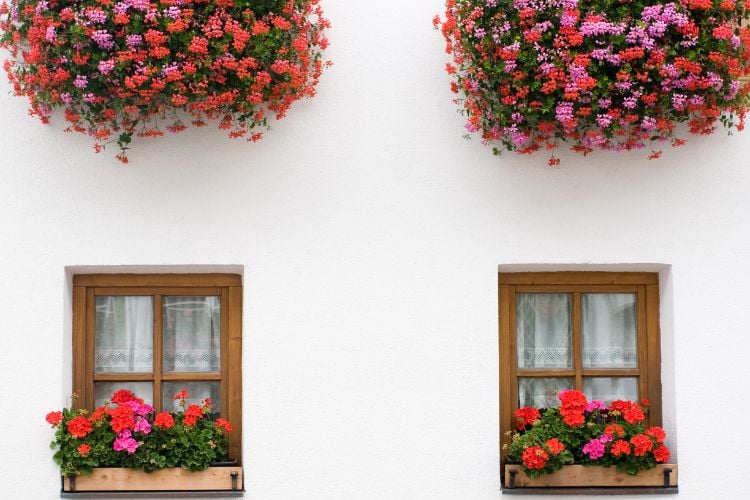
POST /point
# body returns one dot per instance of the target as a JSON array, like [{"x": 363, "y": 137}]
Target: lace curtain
[{"x": 192, "y": 334}]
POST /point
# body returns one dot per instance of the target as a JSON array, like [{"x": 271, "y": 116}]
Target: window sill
[{"x": 615, "y": 490}]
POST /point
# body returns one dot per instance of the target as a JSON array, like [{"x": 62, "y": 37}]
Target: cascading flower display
[
  {"x": 598, "y": 434},
  {"x": 598, "y": 74},
  {"x": 124, "y": 68},
  {"x": 126, "y": 433}
]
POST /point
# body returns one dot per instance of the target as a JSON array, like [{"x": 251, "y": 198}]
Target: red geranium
[
  {"x": 554, "y": 446},
  {"x": 620, "y": 447},
  {"x": 662, "y": 454},
  {"x": 54, "y": 417},
  {"x": 526, "y": 416},
  {"x": 164, "y": 420},
  {"x": 79, "y": 426},
  {"x": 613, "y": 429},
  {"x": 657, "y": 433},
  {"x": 84, "y": 449},
  {"x": 122, "y": 418},
  {"x": 123, "y": 396},
  {"x": 181, "y": 395},
  {"x": 642, "y": 444},
  {"x": 633, "y": 415},
  {"x": 224, "y": 424},
  {"x": 535, "y": 457}
]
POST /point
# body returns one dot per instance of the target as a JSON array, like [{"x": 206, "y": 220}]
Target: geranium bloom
[
  {"x": 142, "y": 425},
  {"x": 84, "y": 449},
  {"x": 642, "y": 444},
  {"x": 164, "y": 420},
  {"x": 555, "y": 446},
  {"x": 122, "y": 396},
  {"x": 526, "y": 415},
  {"x": 633, "y": 415},
  {"x": 662, "y": 454},
  {"x": 614, "y": 430},
  {"x": 79, "y": 426},
  {"x": 657, "y": 433},
  {"x": 181, "y": 395},
  {"x": 620, "y": 447},
  {"x": 54, "y": 417},
  {"x": 535, "y": 457},
  {"x": 223, "y": 424},
  {"x": 594, "y": 449},
  {"x": 125, "y": 442}
]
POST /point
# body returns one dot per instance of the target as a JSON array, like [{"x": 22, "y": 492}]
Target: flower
[
  {"x": 79, "y": 426},
  {"x": 54, "y": 417},
  {"x": 84, "y": 449},
  {"x": 223, "y": 424},
  {"x": 620, "y": 447},
  {"x": 181, "y": 395},
  {"x": 657, "y": 433},
  {"x": 555, "y": 446},
  {"x": 595, "y": 405},
  {"x": 634, "y": 414},
  {"x": 662, "y": 454},
  {"x": 614, "y": 429},
  {"x": 642, "y": 444},
  {"x": 122, "y": 396},
  {"x": 594, "y": 449},
  {"x": 125, "y": 442},
  {"x": 142, "y": 425},
  {"x": 535, "y": 457},
  {"x": 164, "y": 420},
  {"x": 525, "y": 416}
]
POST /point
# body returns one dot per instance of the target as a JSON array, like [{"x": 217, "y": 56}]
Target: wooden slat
[
  {"x": 506, "y": 405},
  {"x": 179, "y": 280},
  {"x": 576, "y": 337},
  {"x": 576, "y": 288},
  {"x": 654, "y": 356},
  {"x": 234, "y": 377},
  {"x": 190, "y": 376},
  {"x": 122, "y": 377},
  {"x": 611, "y": 372},
  {"x": 642, "y": 342},
  {"x": 158, "y": 350},
  {"x": 121, "y": 479},
  {"x": 79, "y": 347},
  {"x": 89, "y": 354},
  {"x": 157, "y": 290},
  {"x": 578, "y": 278},
  {"x": 531, "y": 372},
  {"x": 592, "y": 476}
]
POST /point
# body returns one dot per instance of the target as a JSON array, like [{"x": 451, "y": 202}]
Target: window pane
[
  {"x": 124, "y": 334},
  {"x": 197, "y": 392},
  {"x": 543, "y": 333},
  {"x": 609, "y": 331},
  {"x": 192, "y": 334},
  {"x": 608, "y": 389},
  {"x": 103, "y": 391},
  {"x": 541, "y": 392}
]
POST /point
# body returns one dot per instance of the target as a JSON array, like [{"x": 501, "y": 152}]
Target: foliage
[
  {"x": 601, "y": 74},
  {"x": 120, "y": 68},
  {"x": 126, "y": 433},
  {"x": 590, "y": 433}
]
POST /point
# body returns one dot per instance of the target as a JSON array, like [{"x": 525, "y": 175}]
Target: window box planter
[
  {"x": 120, "y": 479},
  {"x": 581, "y": 476}
]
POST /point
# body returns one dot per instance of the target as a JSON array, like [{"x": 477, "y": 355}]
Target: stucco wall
[{"x": 370, "y": 235}]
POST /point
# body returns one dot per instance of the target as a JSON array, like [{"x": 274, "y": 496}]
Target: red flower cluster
[
  {"x": 84, "y": 449},
  {"x": 572, "y": 405},
  {"x": 223, "y": 424},
  {"x": 123, "y": 396},
  {"x": 164, "y": 420},
  {"x": 526, "y": 415},
  {"x": 117, "y": 69},
  {"x": 535, "y": 457},
  {"x": 54, "y": 417},
  {"x": 192, "y": 414},
  {"x": 641, "y": 444},
  {"x": 555, "y": 446},
  {"x": 79, "y": 426}
]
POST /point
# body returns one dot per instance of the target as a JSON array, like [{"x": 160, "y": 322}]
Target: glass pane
[
  {"x": 197, "y": 392},
  {"x": 543, "y": 333},
  {"x": 541, "y": 392},
  {"x": 609, "y": 331},
  {"x": 103, "y": 391},
  {"x": 608, "y": 389},
  {"x": 192, "y": 334},
  {"x": 124, "y": 334}
]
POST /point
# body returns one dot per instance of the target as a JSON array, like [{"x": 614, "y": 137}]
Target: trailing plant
[
  {"x": 124, "y": 68},
  {"x": 586, "y": 432},
  {"x": 126, "y": 432},
  {"x": 599, "y": 74}
]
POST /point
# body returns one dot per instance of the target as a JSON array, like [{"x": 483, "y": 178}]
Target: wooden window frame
[
  {"x": 645, "y": 285},
  {"x": 226, "y": 286}
]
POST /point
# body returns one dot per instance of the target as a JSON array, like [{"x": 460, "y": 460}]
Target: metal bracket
[
  {"x": 72, "y": 483},
  {"x": 667, "y": 472},
  {"x": 512, "y": 474},
  {"x": 234, "y": 476}
]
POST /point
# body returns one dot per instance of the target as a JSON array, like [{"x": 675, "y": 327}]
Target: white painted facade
[{"x": 370, "y": 234}]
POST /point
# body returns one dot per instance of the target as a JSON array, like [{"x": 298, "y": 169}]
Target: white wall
[{"x": 371, "y": 235}]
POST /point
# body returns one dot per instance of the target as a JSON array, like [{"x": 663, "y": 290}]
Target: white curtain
[
  {"x": 192, "y": 334},
  {"x": 609, "y": 330},
  {"x": 124, "y": 334},
  {"x": 543, "y": 334}
]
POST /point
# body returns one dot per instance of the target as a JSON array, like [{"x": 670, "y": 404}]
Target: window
[
  {"x": 592, "y": 331},
  {"x": 156, "y": 334}
]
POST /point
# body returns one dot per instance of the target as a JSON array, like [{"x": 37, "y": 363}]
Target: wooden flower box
[
  {"x": 581, "y": 476},
  {"x": 117, "y": 479}
]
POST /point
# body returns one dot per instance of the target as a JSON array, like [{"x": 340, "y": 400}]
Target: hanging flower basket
[
  {"x": 128, "y": 68},
  {"x": 597, "y": 74}
]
